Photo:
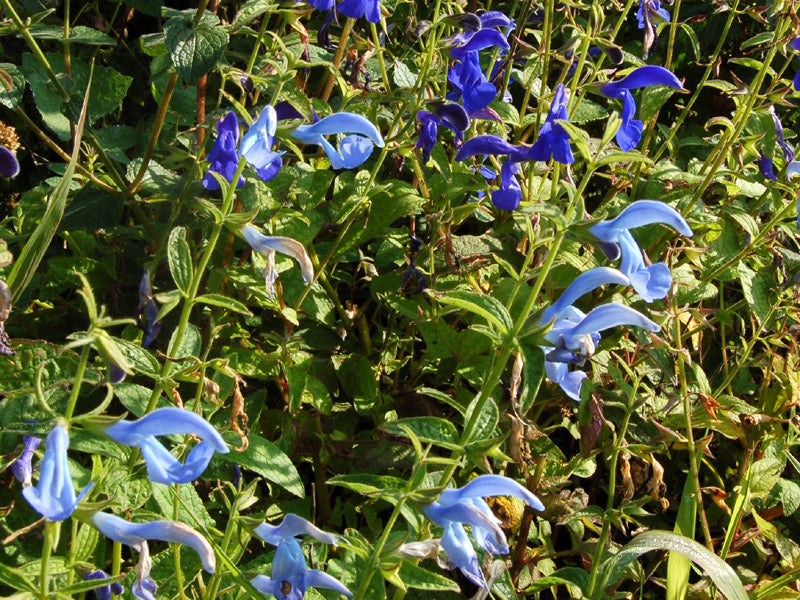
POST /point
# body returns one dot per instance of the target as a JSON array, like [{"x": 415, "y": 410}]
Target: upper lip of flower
[
  {"x": 341, "y": 123},
  {"x": 133, "y": 534},
  {"x": 53, "y": 496},
  {"x": 638, "y": 214},
  {"x": 162, "y": 467},
  {"x": 641, "y": 77}
]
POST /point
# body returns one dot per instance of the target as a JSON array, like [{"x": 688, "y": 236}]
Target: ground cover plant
[{"x": 395, "y": 299}]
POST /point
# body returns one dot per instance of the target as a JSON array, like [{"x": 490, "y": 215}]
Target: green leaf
[
  {"x": 190, "y": 506},
  {"x": 532, "y": 375},
  {"x": 252, "y": 9},
  {"x": 428, "y": 429},
  {"x": 180, "y": 259},
  {"x": 358, "y": 381},
  {"x": 755, "y": 287},
  {"x": 403, "y": 76},
  {"x": 368, "y": 483},
  {"x": 79, "y": 34},
  {"x": 224, "y": 302},
  {"x": 678, "y": 567},
  {"x": 269, "y": 461},
  {"x": 414, "y": 576},
  {"x": 11, "y": 87},
  {"x": 482, "y": 305},
  {"x": 720, "y": 572},
  {"x": 34, "y": 250},
  {"x": 788, "y": 492},
  {"x": 14, "y": 580},
  {"x": 194, "y": 48},
  {"x": 573, "y": 576}
]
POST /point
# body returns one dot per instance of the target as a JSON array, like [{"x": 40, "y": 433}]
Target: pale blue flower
[
  {"x": 465, "y": 506},
  {"x": 53, "y": 497},
  {"x": 290, "y": 576},
  {"x": 269, "y": 245},
  {"x": 163, "y": 467},
  {"x": 353, "y": 149},
  {"x": 135, "y": 534},
  {"x": 256, "y": 145}
]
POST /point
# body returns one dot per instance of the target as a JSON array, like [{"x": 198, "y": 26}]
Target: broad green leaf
[
  {"x": 223, "y": 302},
  {"x": 269, "y": 461},
  {"x": 190, "y": 507},
  {"x": 678, "y": 566},
  {"x": 483, "y": 305},
  {"x": 11, "y": 87},
  {"x": 194, "y": 48},
  {"x": 367, "y": 483},
  {"x": 251, "y": 10},
  {"x": 80, "y": 34},
  {"x": 720, "y": 572},
  {"x": 179, "y": 257},
  {"x": 427, "y": 429},
  {"x": 414, "y": 576},
  {"x": 34, "y": 250},
  {"x": 574, "y": 576},
  {"x": 357, "y": 377}
]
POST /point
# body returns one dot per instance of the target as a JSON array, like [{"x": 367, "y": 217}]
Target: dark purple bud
[
  {"x": 454, "y": 116},
  {"x": 765, "y": 165},
  {"x": 104, "y": 592},
  {"x": 9, "y": 166},
  {"x": 610, "y": 249}
]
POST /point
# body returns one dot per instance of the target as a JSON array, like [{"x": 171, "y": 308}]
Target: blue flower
[
  {"x": 53, "y": 497},
  {"x": 575, "y": 336},
  {"x": 256, "y": 146},
  {"x": 9, "y": 165},
  {"x": 163, "y": 467},
  {"x": 509, "y": 195},
  {"x": 22, "y": 468},
  {"x": 449, "y": 115},
  {"x": 795, "y": 45},
  {"x": 354, "y": 149},
  {"x": 649, "y": 14},
  {"x": 355, "y": 9},
  {"x": 466, "y": 75},
  {"x": 630, "y": 132},
  {"x": 135, "y": 534},
  {"x": 767, "y": 167},
  {"x": 104, "y": 592},
  {"x": 465, "y": 506},
  {"x": 223, "y": 158},
  {"x": 652, "y": 282},
  {"x": 321, "y": 4},
  {"x": 788, "y": 153},
  {"x": 290, "y": 576},
  {"x": 268, "y": 245},
  {"x": 553, "y": 141},
  {"x": 147, "y": 307}
]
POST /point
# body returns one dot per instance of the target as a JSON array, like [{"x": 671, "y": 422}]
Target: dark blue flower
[
  {"x": 649, "y": 15},
  {"x": 163, "y": 467},
  {"x": 767, "y": 167},
  {"x": 553, "y": 140},
  {"x": 466, "y": 74},
  {"x": 223, "y": 158},
  {"x": 466, "y": 506},
  {"x": 449, "y": 115},
  {"x": 630, "y": 132},
  {"x": 509, "y": 195},
  {"x": 53, "y": 497},
  {"x": 795, "y": 45},
  {"x": 290, "y": 576},
  {"x": 104, "y": 592},
  {"x": 22, "y": 468},
  {"x": 9, "y": 166},
  {"x": 788, "y": 153},
  {"x": 355, "y": 9},
  {"x": 321, "y": 4}
]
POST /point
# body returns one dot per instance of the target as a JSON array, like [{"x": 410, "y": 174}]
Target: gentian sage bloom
[
  {"x": 649, "y": 15},
  {"x": 630, "y": 132},
  {"x": 256, "y": 146},
  {"x": 509, "y": 195},
  {"x": 9, "y": 166},
  {"x": 353, "y": 149},
  {"x": 553, "y": 140},
  {"x": 268, "y": 245},
  {"x": 795, "y": 45},
  {"x": 466, "y": 506},
  {"x": 652, "y": 282},
  {"x": 22, "y": 468},
  {"x": 53, "y": 497},
  {"x": 449, "y": 115},
  {"x": 355, "y": 9},
  {"x": 103, "y": 592},
  {"x": 466, "y": 75},
  {"x": 290, "y": 576},
  {"x": 163, "y": 467},
  {"x": 223, "y": 158}
]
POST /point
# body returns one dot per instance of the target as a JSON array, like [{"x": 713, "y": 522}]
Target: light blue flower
[
  {"x": 652, "y": 282},
  {"x": 465, "y": 506},
  {"x": 353, "y": 149},
  {"x": 256, "y": 145},
  {"x": 163, "y": 467},
  {"x": 53, "y": 497},
  {"x": 630, "y": 132},
  {"x": 22, "y": 468},
  {"x": 135, "y": 534},
  {"x": 290, "y": 576}
]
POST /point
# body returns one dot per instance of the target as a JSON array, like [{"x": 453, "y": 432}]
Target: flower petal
[
  {"x": 344, "y": 122},
  {"x": 263, "y": 243},
  {"x": 9, "y": 165},
  {"x": 292, "y": 526},
  {"x": 583, "y": 284},
  {"x": 605, "y": 317},
  {"x": 318, "y": 579},
  {"x": 638, "y": 214},
  {"x": 641, "y": 77},
  {"x": 490, "y": 485},
  {"x": 166, "y": 421}
]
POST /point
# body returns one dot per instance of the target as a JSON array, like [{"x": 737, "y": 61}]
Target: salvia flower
[
  {"x": 223, "y": 158},
  {"x": 466, "y": 506},
  {"x": 256, "y": 146},
  {"x": 767, "y": 167},
  {"x": 649, "y": 15},
  {"x": 9, "y": 166},
  {"x": 135, "y": 534},
  {"x": 269, "y": 245},
  {"x": 53, "y": 497},
  {"x": 553, "y": 140},
  {"x": 475, "y": 91},
  {"x": 22, "y": 468},
  {"x": 449, "y": 115},
  {"x": 163, "y": 467},
  {"x": 788, "y": 153},
  {"x": 630, "y": 132},
  {"x": 509, "y": 195},
  {"x": 353, "y": 149},
  {"x": 104, "y": 592},
  {"x": 355, "y": 9},
  {"x": 290, "y": 576},
  {"x": 795, "y": 45},
  {"x": 652, "y": 282},
  {"x": 147, "y": 308}
]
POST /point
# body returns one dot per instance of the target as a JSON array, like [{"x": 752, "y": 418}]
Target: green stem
[
  {"x": 176, "y": 548},
  {"x": 44, "y": 569},
  {"x": 216, "y": 578},
  {"x": 379, "y": 50},
  {"x": 76, "y": 386},
  {"x": 337, "y": 58}
]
